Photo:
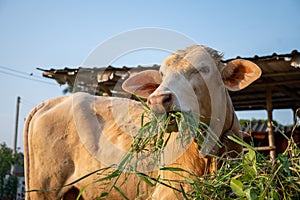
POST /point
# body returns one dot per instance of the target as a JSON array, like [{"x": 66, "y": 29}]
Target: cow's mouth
[
  {"x": 173, "y": 120},
  {"x": 173, "y": 117}
]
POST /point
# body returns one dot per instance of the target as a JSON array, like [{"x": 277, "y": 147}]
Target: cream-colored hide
[{"x": 66, "y": 138}]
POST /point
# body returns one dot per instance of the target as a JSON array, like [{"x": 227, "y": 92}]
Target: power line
[
  {"x": 20, "y": 72},
  {"x": 28, "y": 102},
  {"x": 28, "y": 105},
  {"x": 24, "y": 77}
]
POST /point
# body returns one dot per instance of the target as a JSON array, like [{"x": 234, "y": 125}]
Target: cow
[{"x": 68, "y": 137}]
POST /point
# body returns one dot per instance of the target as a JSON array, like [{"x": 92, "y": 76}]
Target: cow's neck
[
  {"x": 230, "y": 117},
  {"x": 222, "y": 124},
  {"x": 231, "y": 128}
]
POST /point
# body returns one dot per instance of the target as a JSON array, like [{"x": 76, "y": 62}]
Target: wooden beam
[
  {"x": 275, "y": 83},
  {"x": 296, "y": 112},
  {"x": 248, "y": 108},
  {"x": 288, "y": 92},
  {"x": 289, "y": 73},
  {"x": 245, "y": 96},
  {"x": 264, "y": 148},
  {"x": 270, "y": 127},
  {"x": 295, "y": 116},
  {"x": 262, "y": 106},
  {"x": 262, "y": 101}
]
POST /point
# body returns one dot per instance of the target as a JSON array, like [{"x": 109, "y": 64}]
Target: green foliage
[
  {"x": 246, "y": 122},
  {"x": 253, "y": 177},
  {"x": 8, "y": 183}
]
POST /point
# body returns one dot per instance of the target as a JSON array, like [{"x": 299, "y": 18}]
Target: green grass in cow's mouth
[{"x": 156, "y": 129}]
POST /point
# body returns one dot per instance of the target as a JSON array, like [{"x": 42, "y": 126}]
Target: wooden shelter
[
  {"x": 280, "y": 79},
  {"x": 278, "y": 87}
]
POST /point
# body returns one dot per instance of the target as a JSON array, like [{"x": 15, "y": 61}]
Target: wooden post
[
  {"x": 270, "y": 127},
  {"x": 294, "y": 116},
  {"x": 296, "y": 112}
]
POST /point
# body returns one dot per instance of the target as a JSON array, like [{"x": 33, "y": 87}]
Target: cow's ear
[
  {"x": 240, "y": 73},
  {"x": 143, "y": 83}
]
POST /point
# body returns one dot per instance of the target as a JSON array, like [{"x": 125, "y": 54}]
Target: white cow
[{"x": 69, "y": 137}]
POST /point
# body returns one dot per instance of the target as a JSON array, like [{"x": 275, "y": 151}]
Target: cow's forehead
[{"x": 192, "y": 57}]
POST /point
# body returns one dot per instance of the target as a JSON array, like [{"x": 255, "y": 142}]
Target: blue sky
[{"x": 61, "y": 34}]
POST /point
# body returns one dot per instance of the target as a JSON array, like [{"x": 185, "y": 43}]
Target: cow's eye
[
  {"x": 161, "y": 74},
  {"x": 204, "y": 70}
]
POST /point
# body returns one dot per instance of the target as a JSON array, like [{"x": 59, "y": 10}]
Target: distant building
[
  {"x": 21, "y": 189},
  {"x": 18, "y": 171}
]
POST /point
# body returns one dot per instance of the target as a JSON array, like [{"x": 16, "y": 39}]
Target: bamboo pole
[
  {"x": 269, "y": 148},
  {"x": 270, "y": 127}
]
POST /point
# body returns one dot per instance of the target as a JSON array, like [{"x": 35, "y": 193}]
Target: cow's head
[{"x": 192, "y": 80}]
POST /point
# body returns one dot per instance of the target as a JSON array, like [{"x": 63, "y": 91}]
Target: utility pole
[
  {"x": 12, "y": 170},
  {"x": 14, "y": 167},
  {"x": 17, "y": 123}
]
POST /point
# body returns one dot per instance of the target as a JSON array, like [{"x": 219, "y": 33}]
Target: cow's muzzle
[{"x": 161, "y": 103}]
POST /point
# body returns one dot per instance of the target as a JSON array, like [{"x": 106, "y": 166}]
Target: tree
[{"x": 8, "y": 182}]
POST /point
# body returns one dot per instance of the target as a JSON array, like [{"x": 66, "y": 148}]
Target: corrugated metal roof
[
  {"x": 261, "y": 127},
  {"x": 100, "y": 81},
  {"x": 280, "y": 73}
]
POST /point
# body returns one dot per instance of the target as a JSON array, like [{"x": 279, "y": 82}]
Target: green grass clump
[{"x": 253, "y": 177}]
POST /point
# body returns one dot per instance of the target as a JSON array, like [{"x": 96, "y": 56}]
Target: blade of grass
[
  {"x": 240, "y": 142},
  {"x": 145, "y": 177},
  {"x": 120, "y": 192}
]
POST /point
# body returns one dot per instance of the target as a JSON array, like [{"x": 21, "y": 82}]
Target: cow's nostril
[
  {"x": 167, "y": 100},
  {"x": 149, "y": 102}
]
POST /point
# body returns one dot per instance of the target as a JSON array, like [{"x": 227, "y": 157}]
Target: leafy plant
[
  {"x": 253, "y": 177},
  {"x": 8, "y": 182}
]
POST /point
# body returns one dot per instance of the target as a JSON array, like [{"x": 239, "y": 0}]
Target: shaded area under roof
[{"x": 280, "y": 74}]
